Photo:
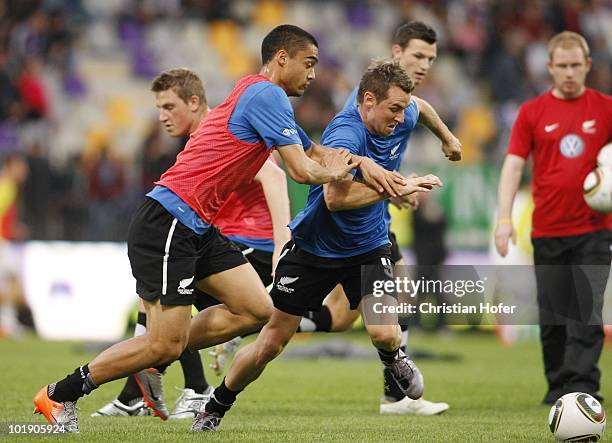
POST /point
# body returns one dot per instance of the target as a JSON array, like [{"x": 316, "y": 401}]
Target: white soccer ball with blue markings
[
  {"x": 597, "y": 189},
  {"x": 577, "y": 417}
]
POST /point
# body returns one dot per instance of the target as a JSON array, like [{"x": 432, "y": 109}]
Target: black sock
[
  {"x": 130, "y": 391},
  {"x": 221, "y": 400},
  {"x": 387, "y": 357},
  {"x": 193, "y": 371},
  {"x": 73, "y": 387},
  {"x": 162, "y": 368},
  {"x": 314, "y": 321}
]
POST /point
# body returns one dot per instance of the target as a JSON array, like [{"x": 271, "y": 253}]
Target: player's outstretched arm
[
  {"x": 509, "y": 182},
  {"x": 410, "y": 201},
  {"x": 390, "y": 182},
  {"x": 451, "y": 146},
  {"x": 273, "y": 181},
  {"x": 373, "y": 174},
  {"x": 349, "y": 194},
  {"x": 317, "y": 151},
  {"x": 335, "y": 165}
]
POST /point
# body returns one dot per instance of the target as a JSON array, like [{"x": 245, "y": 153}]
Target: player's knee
[
  {"x": 168, "y": 350},
  {"x": 256, "y": 313},
  {"x": 341, "y": 323},
  {"x": 386, "y": 338},
  {"x": 261, "y": 313},
  {"x": 269, "y": 349}
]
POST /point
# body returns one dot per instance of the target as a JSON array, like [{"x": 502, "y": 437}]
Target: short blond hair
[
  {"x": 568, "y": 39},
  {"x": 184, "y": 82},
  {"x": 380, "y": 76}
]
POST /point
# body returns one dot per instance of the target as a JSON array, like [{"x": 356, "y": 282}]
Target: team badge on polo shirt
[
  {"x": 393, "y": 154},
  {"x": 571, "y": 146}
]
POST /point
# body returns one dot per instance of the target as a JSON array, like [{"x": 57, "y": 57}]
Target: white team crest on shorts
[
  {"x": 182, "y": 288},
  {"x": 571, "y": 146},
  {"x": 283, "y": 282}
]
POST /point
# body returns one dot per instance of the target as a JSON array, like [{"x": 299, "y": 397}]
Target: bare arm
[
  {"x": 274, "y": 183},
  {"x": 373, "y": 174},
  {"x": 303, "y": 169},
  {"x": 316, "y": 151},
  {"x": 509, "y": 182},
  {"x": 349, "y": 194},
  {"x": 451, "y": 146}
]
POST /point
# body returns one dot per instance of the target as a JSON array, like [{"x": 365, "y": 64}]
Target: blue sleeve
[
  {"x": 270, "y": 114},
  {"x": 306, "y": 142},
  {"x": 344, "y": 135},
  {"x": 411, "y": 114}
]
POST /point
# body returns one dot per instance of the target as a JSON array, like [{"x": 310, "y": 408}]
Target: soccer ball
[
  {"x": 597, "y": 189},
  {"x": 604, "y": 158},
  {"x": 577, "y": 417}
]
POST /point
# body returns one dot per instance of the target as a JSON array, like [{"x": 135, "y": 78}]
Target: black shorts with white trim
[
  {"x": 168, "y": 258},
  {"x": 303, "y": 280}
]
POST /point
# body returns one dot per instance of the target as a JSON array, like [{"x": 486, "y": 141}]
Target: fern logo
[
  {"x": 283, "y": 282},
  {"x": 183, "y": 284},
  {"x": 393, "y": 154}
]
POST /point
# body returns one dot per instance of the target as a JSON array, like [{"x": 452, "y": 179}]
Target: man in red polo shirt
[{"x": 563, "y": 129}]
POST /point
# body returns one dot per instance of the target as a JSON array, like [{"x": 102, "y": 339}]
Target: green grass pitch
[{"x": 494, "y": 393}]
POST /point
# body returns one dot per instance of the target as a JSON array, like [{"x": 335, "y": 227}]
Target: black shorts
[
  {"x": 396, "y": 254},
  {"x": 260, "y": 260},
  {"x": 168, "y": 258},
  {"x": 302, "y": 280}
]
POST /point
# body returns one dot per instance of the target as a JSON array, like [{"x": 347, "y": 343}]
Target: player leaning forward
[
  {"x": 339, "y": 238},
  {"x": 172, "y": 245}
]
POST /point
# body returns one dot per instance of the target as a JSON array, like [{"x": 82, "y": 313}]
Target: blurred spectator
[
  {"x": 28, "y": 38},
  {"x": 429, "y": 232},
  {"x": 32, "y": 90},
  {"x": 9, "y": 96},
  {"x": 72, "y": 200},
  {"x": 14, "y": 311},
  {"x": 316, "y": 107},
  {"x": 13, "y": 173},
  {"x": 158, "y": 154},
  {"x": 506, "y": 70},
  {"x": 37, "y": 190},
  {"x": 107, "y": 188}
]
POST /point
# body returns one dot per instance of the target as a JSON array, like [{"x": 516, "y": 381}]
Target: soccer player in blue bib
[
  {"x": 341, "y": 237},
  {"x": 414, "y": 48}
]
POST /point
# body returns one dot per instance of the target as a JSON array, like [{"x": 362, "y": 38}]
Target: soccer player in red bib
[
  {"x": 564, "y": 130},
  {"x": 254, "y": 217},
  {"x": 173, "y": 245}
]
